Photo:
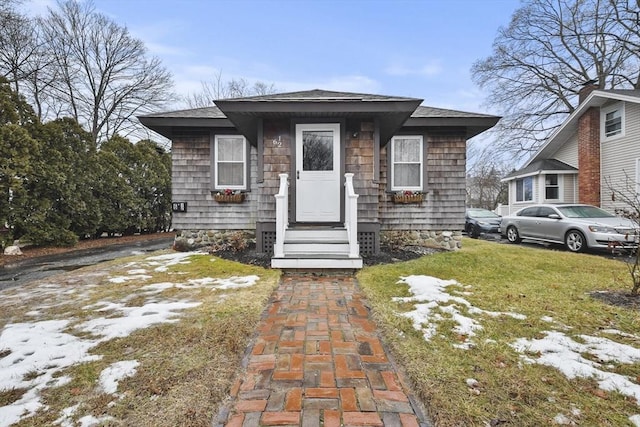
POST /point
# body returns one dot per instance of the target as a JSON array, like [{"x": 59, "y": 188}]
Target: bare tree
[
  {"x": 544, "y": 56},
  {"x": 485, "y": 170},
  {"x": 626, "y": 195},
  {"x": 218, "y": 88},
  {"x": 104, "y": 75}
]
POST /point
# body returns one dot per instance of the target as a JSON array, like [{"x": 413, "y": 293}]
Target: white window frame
[
  {"x": 218, "y": 186},
  {"x": 392, "y": 163},
  {"x": 558, "y": 186},
  {"x": 533, "y": 190},
  {"x": 618, "y": 106}
]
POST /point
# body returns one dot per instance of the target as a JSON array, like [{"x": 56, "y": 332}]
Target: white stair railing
[
  {"x": 351, "y": 215},
  {"x": 282, "y": 215}
]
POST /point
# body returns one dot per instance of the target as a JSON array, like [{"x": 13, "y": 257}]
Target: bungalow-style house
[
  {"x": 595, "y": 150},
  {"x": 319, "y": 177}
]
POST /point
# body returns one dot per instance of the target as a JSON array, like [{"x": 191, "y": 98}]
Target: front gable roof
[
  {"x": 391, "y": 112},
  {"x": 597, "y": 98}
]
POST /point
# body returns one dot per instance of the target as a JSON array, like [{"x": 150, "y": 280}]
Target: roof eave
[
  {"x": 473, "y": 125},
  {"x": 165, "y": 125}
]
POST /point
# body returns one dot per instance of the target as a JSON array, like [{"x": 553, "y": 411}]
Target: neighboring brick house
[
  {"x": 596, "y": 149},
  {"x": 340, "y": 165}
]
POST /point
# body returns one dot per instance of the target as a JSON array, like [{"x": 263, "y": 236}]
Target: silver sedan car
[{"x": 578, "y": 227}]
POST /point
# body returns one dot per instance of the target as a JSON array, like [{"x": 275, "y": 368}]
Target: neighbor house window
[
  {"x": 612, "y": 121},
  {"x": 524, "y": 189},
  {"x": 551, "y": 188},
  {"x": 230, "y": 162},
  {"x": 406, "y": 163}
]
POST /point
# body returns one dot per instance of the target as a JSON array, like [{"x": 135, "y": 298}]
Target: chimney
[
  {"x": 589, "y": 152},
  {"x": 587, "y": 87}
]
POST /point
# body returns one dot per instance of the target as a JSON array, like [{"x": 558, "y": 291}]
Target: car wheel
[
  {"x": 512, "y": 235},
  {"x": 574, "y": 241},
  {"x": 473, "y": 231}
]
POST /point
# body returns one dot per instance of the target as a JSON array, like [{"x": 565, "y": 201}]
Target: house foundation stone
[
  {"x": 449, "y": 240},
  {"x": 188, "y": 240}
]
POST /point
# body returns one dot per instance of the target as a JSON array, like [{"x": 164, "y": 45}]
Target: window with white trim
[
  {"x": 524, "y": 189},
  {"x": 612, "y": 121},
  {"x": 551, "y": 187},
  {"x": 230, "y": 162},
  {"x": 406, "y": 163}
]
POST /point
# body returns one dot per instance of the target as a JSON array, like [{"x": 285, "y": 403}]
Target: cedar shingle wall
[
  {"x": 359, "y": 158},
  {"x": 277, "y": 160},
  {"x": 191, "y": 183},
  {"x": 444, "y": 204}
]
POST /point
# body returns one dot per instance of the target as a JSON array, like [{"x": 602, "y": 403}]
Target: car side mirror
[{"x": 554, "y": 216}]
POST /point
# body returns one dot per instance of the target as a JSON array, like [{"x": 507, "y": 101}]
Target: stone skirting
[
  {"x": 449, "y": 240},
  {"x": 187, "y": 240}
]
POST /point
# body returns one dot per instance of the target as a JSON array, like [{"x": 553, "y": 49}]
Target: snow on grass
[
  {"x": 133, "y": 318},
  {"x": 35, "y": 354},
  {"x": 38, "y": 352},
  {"x": 110, "y": 376},
  {"x": 561, "y": 352},
  {"x": 435, "y": 303},
  {"x": 163, "y": 262}
]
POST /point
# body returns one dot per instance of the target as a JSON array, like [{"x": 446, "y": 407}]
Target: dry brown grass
[
  {"x": 529, "y": 281},
  {"x": 186, "y": 368}
]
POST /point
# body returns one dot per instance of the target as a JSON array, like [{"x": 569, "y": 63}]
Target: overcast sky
[{"x": 421, "y": 49}]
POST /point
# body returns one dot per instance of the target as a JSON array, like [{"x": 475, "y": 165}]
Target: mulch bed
[
  {"x": 387, "y": 255},
  {"x": 622, "y": 299}
]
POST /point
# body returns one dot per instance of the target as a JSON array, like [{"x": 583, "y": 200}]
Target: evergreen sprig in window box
[
  {"x": 405, "y": 197},
  {"x": 229, "y": 196}
]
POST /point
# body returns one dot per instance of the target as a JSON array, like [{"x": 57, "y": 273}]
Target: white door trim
[{"x": 318, "y": 191}]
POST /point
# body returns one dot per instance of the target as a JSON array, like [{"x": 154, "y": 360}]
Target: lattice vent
[
  {"x": 367, "y": 241},
  {"x": 268, "y": 240}
]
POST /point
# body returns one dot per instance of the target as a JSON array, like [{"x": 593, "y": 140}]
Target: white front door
[{"x": 318, "y": 172}]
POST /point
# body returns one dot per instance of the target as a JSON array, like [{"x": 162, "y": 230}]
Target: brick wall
[{"x": 589, "y": 157}]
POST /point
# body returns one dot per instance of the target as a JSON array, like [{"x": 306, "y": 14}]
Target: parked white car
[{"x": 578, "y": 227}]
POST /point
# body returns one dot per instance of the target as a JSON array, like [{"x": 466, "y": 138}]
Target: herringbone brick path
[{"x": 318, "y": 361}]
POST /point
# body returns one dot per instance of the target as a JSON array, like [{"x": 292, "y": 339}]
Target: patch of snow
[
  {"x": 548, "y": 319},
  {"x": 38, "y": 352},
  {"x": 123, "y": 279},
  {"x": 434, "y": 300},
  {"x": 563, "y": 353},
  {"x": 91, "y": 421},
  {"x": 137, "y": 271},
  {"x": 620, "y": 333},
  {"x": 134, "y": 318},
  {"x": 110, "y": 376},
  {"x": 562, "y": 420},
  {"x": 167, "y": 260},
  {"x": 65, "y": 416},
  {"x": 157, "y": 287},
  {"x": 635, "y": 420}
]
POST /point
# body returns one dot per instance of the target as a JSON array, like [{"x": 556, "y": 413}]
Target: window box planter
[
  {"x": 407, "y": 198},
  {"x": 229, "y": 198}
]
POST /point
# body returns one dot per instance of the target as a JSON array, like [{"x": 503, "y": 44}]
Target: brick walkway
[{"x": 318, "y": 361}]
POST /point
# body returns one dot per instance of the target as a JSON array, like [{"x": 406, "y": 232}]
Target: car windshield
[
  {"x": 482, "y": 213},
  {"x": 584, "y": 212}
]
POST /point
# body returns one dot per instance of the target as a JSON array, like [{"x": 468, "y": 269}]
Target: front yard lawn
[{"x": 504, "y": 335}]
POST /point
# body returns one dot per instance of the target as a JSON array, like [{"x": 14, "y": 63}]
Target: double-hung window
[
  {"x": 230, "y": 162},
  {"x": 612, "y": 121},
  {"x": 406, "y": 163},
  {"x": 524, "y": 189},
  {"x": 551, "y": 187}
]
